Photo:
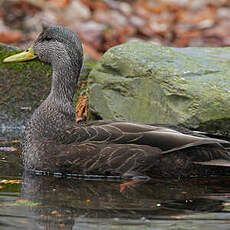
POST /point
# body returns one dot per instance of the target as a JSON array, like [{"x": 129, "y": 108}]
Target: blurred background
[{"x": 102, "y": 24}]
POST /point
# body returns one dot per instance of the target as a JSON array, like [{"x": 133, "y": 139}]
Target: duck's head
[{"x": 55, "y": 45}]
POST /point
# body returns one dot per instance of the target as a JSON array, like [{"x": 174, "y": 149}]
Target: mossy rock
[
  {"x": 22, "y": 87},
  {"x": 144, "y": 82}
]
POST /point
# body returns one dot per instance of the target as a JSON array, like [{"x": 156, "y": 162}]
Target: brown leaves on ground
[
  {"x": 9, "y": 36},
  {"x": 102, "y": 24}
]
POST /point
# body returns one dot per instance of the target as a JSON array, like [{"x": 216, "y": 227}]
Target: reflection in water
[
  {"x": 10, "y": 164},
  {"x": 52, "y": 203},
  {"x": 63, "y": 203}
]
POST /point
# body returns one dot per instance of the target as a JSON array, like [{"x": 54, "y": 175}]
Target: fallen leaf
[
  {"x": 4, "y": 181},
  {"x": 10, "y": 37}
]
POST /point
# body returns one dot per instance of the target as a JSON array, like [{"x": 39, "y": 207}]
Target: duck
[{"x": 54, "y": 142}]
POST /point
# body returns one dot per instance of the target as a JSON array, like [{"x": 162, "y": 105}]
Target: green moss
[{"x": 22, "y": 86}]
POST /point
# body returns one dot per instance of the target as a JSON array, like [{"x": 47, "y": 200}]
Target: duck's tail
[{"x": 217, "y": 162}]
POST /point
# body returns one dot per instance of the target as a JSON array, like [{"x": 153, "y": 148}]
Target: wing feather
[{"x": 168, "y": 140}]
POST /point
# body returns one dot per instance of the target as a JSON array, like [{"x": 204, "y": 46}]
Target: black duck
[{"x": 55, "y": 142}]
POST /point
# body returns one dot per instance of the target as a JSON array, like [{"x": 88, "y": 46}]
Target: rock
[
  {"x": 144, "y": 82},
  {"x": 22, "y": 88}
]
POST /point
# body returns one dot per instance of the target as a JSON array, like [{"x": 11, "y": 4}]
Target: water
[{"x": 48, "y": 202}]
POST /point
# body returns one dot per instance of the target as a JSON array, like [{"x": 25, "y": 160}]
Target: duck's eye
[{"x": 47, "y": 38}]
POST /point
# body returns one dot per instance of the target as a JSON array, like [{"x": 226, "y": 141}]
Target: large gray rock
[{"x": 144, "y": 82}]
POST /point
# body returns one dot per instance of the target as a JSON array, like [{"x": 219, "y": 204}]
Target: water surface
[{"x": 48, "y": 202}]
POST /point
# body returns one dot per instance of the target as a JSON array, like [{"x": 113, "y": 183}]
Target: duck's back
[{"x": 123, "y": 148}]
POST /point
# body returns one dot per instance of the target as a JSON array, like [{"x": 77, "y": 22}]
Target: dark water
[{"x": 47, "y": 202}]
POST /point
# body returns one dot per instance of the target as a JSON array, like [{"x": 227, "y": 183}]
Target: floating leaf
[{"x": 4, "y": 181}]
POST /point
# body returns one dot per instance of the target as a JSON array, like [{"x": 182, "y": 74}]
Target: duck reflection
[{"x": 61, "y": 203}]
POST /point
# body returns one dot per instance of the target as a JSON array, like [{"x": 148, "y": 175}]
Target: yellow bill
[{"x": 23, "y": 56}]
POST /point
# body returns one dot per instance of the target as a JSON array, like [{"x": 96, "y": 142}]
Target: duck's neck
[
  {"x": 57, "y": 112},
  {"x": 64, "y": 80}
]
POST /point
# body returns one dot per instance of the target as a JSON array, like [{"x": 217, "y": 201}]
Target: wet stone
[{"x": 145, "y": 82}]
